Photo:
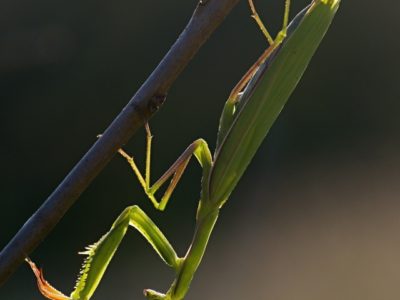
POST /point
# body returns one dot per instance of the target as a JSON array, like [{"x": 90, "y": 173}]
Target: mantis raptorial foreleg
[
  {"x": 175, "y": 171},
  {"x": 101, "y": 253}
]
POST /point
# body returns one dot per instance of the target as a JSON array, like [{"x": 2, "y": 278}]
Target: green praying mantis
[{"x": 248, "y": 114}]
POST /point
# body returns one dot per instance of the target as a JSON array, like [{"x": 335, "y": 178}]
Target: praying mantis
[{"x": 248, "y": 114}]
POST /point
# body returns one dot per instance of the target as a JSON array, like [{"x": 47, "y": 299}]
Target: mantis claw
[{"x": 45, "y": 288}]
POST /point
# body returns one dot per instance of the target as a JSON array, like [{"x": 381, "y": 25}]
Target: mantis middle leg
[{"x": 198, "y": 148}]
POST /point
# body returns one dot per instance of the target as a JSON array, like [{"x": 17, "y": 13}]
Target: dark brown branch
[{"x": 206, "y": 18}]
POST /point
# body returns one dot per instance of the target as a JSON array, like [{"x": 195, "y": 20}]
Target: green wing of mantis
[
  {"x": 233, "y": 106},
  {"x": 266, "y": 95}
]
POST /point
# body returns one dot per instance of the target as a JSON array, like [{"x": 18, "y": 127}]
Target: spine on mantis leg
[{"x": 101, "y": 253}]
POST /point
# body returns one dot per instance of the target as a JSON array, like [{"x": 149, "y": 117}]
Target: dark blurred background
[{"x": 316, "y": 215}]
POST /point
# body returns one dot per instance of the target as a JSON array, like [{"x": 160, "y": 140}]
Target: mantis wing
[
  {"x": 234, "y": 105},
  {"x": 266, "y": 95}
]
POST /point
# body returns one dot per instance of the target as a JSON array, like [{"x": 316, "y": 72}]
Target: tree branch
[{"x": 206, "y": 18}]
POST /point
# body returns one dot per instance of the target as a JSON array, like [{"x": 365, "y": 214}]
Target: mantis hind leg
[
  {"x": 234, "y": 98},
  {"x": 282, "y": 33},
  {"x": 198, "y": 148},
  {"x": 100, "y": 254},
  {"x": 274, "y": 43}
]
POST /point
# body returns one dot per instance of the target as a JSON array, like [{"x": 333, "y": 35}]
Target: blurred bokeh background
[{"x": 316, "y": 215}]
